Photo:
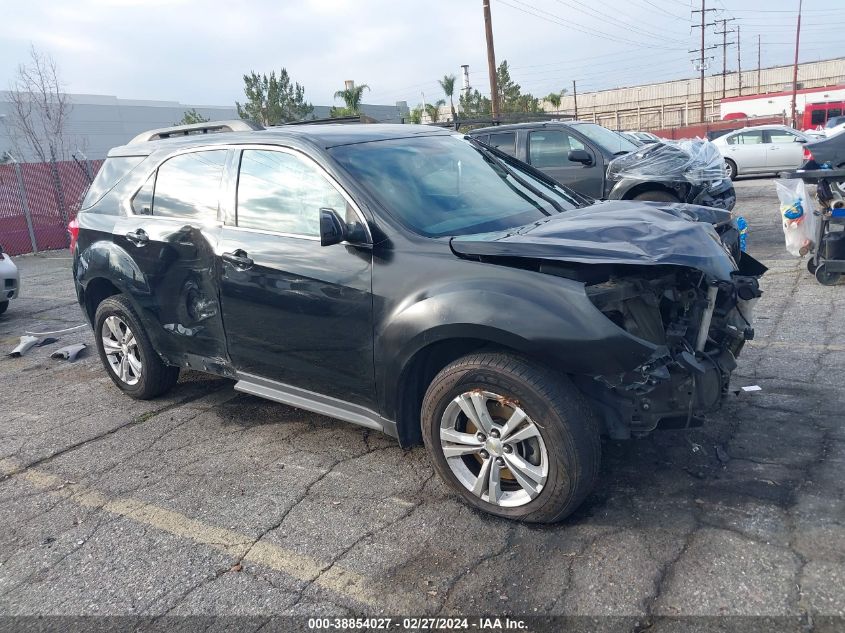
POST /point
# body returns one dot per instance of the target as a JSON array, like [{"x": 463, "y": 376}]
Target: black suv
[
  {"x": 606, "y": 165},
  {"x": 414, "y": 281}
]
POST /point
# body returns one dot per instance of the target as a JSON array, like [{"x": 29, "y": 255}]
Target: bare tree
[{"x": 40, "y": 109}]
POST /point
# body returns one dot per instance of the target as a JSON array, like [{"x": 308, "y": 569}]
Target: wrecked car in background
[
  {"x": 409, "y": 280},
  {"x": 606, "y": 165}
]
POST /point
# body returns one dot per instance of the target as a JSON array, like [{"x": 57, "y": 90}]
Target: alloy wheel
[
  {"x": 121, "y": 349},
  {"x": 494, "y": 448}
]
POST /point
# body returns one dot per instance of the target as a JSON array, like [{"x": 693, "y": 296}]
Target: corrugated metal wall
[{"x": 676, "y": 103}]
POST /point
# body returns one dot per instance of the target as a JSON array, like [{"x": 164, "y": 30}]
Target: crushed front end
[{"x": 699, "y": 325}]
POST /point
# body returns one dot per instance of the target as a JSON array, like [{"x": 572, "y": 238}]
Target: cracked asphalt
[{"x": 210, "y": 502}]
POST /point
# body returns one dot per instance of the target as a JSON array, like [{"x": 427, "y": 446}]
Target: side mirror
[
  {"x": 332, "y": 229},
  {"x": 580, "y": 156}
]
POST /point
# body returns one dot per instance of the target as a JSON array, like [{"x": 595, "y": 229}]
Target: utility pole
[
  {"x": 795, "y": 65},
  {"x": 738, "y": 61},
  {"x": 575, "y": 97},
  {"x": 491, "y": 61},
  {"x": 759, "y": 87},
  {"x": 724, "y": 33},
  {"x": 703, "y": 24}
]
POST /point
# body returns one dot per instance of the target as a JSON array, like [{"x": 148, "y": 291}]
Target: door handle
[
  {"x": 238, "y": 259},
  {"x": 138, "y": 237}
]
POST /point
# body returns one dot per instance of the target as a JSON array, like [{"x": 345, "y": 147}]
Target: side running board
[{"x": 310, "y": 401}]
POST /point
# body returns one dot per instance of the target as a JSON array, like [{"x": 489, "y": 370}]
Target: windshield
[
  {"x": 443, "y": 185},
  {"x": 610, "y": 141},
  {"x": 833, "y": 122}
]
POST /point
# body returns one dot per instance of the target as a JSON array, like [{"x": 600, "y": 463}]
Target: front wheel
[
  {"x": 3, "y": 306},
  {"x": 126, "y": 351},
  {"x": 730, "y": 169},
  {"x": 512, "y": 438}
]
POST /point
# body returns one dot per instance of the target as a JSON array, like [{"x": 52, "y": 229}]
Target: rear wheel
[
  {"x": 126, "y": 351},
  {"x": 656, "y": 195},
  {"x": 730, "y": 169},
  {"x": 511, "y": 437}
]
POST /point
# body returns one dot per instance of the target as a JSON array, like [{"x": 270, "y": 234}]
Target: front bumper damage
[{"x": 699, "y": 326}]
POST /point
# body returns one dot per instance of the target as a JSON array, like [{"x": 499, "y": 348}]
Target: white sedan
[
  {"x": 9, "y": 280},
  {"x": 761, "y": 149}
]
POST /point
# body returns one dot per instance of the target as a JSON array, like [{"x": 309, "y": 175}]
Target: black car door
[
  {"x": 294, "y": 311},
  {"x": 171, "y": 236},
  {"x": 548, "y": 151}
]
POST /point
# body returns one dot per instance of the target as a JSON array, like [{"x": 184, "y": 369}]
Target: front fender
[{"x": 546, "y": 317}]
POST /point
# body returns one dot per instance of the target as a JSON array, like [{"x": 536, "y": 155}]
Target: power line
[
  {"x": 615, "y": 18},
  {"x": 554, "y": 19}
]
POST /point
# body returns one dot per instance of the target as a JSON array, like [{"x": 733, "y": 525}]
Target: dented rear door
[{"x": 172, "y": 237}]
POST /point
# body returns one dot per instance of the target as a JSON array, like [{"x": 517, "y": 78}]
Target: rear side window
[
  {"x": 747, "y": 138},
  {"x": 280, "y": 192},
  {"x": 817, "y": 117},
  {"x": 142, "y": 202},
  {"x": 188, "y": 185},
  {"x": 112, "y": 172},
  {"x": 505, "y": 142}
]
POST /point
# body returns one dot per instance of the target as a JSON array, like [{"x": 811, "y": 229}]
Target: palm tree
[
  {"x": 433, "y": 111},
  {"x": 448, "y": 85},
  {"x": 555, "y": 98},
  {"x": 352, "y": 97}
]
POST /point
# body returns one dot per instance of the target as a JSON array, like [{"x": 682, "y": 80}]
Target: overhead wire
[{"x": 555, "y": 19}]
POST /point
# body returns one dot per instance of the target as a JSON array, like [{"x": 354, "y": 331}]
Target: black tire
[
  {"x": 730, "y": 169},
  {"x": 569, "y": 429},
  {"x": 156, "y": 377},
  {"x": 811, "y": 266},
  {"x": 656, "y": 195},
  {"x": 4, "y": 305}
]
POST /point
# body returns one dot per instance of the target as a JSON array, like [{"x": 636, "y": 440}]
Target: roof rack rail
[{"x": 237, "y": 125}]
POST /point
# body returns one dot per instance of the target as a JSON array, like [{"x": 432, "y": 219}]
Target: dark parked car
[
  {"x": 586, "y": 157},
  {"x": 415, "y": 282}
]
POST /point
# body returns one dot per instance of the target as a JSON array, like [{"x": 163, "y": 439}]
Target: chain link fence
[{"x": 37, "y": 200}]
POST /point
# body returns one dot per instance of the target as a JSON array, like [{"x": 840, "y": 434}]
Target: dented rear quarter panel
[{"x": 171, "y": 280}]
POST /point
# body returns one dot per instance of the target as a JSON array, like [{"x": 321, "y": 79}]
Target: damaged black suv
[{"x": 417, "y": 282}]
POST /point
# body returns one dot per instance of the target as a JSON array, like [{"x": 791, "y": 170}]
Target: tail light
[
  {"x": 808, "y": 155},
  {"x": 73, "y": 231}
]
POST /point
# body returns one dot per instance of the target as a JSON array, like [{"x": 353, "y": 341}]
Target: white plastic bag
[{"x": 800, "y": 223}]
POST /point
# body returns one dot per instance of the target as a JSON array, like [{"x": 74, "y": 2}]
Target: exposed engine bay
[
  {"x": 700, "y": 326},
  {"x": 672, "y": 277}
]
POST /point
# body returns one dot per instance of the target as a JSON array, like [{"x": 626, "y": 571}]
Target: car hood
[{"x": 615, "y": 232}]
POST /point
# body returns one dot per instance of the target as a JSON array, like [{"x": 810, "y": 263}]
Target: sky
[{"x": 197, "y": 52}]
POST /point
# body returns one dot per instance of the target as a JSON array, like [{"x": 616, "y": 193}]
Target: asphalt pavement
[{"x": 209, "y": 502}]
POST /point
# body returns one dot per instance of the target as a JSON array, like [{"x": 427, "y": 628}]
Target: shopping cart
[{"x": 827, "y": 262}]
